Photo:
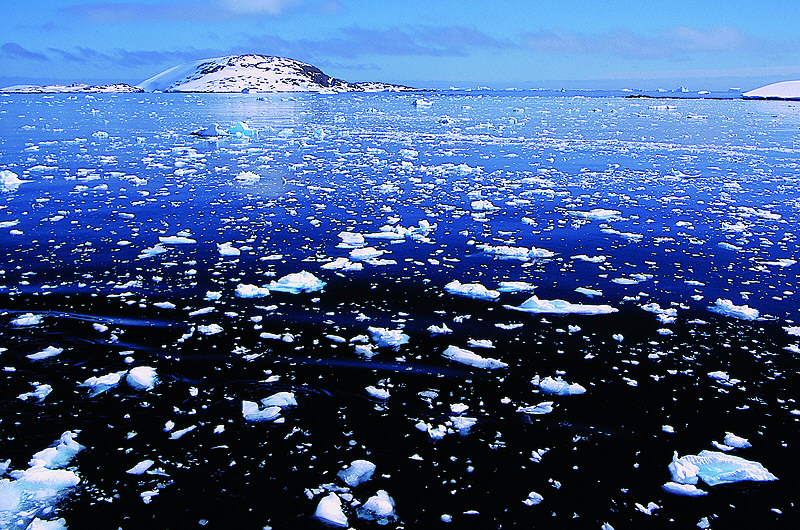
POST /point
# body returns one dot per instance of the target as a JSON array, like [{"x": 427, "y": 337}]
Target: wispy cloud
[
  {"x": 270, "y": 7},
  {"x": 12, "y": 49},
  {"x": 675, "y": 42}
]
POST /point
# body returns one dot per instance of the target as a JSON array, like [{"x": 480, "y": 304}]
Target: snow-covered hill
[
  {"x": 782, "y": 90},
  {"x": 254, "y": 73},
  {"x": 76, "y": 88}
]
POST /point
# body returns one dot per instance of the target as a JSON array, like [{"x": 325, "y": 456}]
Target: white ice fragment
[
  {"x": 297, "y": 282},
  {"x": 141, "y": 467},
  {"x": 359, "y": 471},
  {"x": 460, "y": 355},
  {"x": 177, "y": 240},
  {"x": 9, "y": 181},
  {"x": 716, "y": 468},
  {"x": 342, "y": 264},
  {"x": 246, "y": 290},
  {"x": 50, "y": 351},
  {"x": 737, "y": 442},
  {"x": 388, "y": 337},
  {"x": 463, "y": 424},
  {"x": 155, "y": 250},
  {"x": 60, "y": 455},
  {"x": 366, "y": 253},
  {"x": 41, "y": 524},
  {"x": 535, "y": 305},
  {"x": 251, "y": 412},
  {"x": 649, "y": 509},
  {"x": 480, "y": 343},
  {"x": 437, "y": 330},
  {"x": 458, "y": 408},
  {"x": 597, "y": 214},
  {"x": 471, "y": 290},
  {"x": 227, "y": 249},
  {"x": 379, "y": 508},
  {"x": 39, "y": 392},
  {"x": 378, "y": 393},
  {"x": 27, "y": 319},
  {"x": 329, "y": 510},
  {"x": 142, "y": 378},
  {"x": 164, "y": 305},
  {"x": 247, "y": 177},
  {"x": 352, "y": 238},
  {"x": 100, "y": 328},
  {"x": 515, "y": 287},
  {"x": 210, "y": 329},
  {"x": 558, "y": 386},
  {"x": 179, "y": 433},
  {"x": 727, "y": 308},
  {"x": 533, "y": 499},
  {"x": 280, "y": 399},
  {"x": 687, "y": 490},
  {"x": 519, "y": 253},
  {"x": 544, "y": 407},
  {"x": 591, "y": 293}
]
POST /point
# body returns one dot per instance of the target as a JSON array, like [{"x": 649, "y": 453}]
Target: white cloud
[{"x": 270, "y": 7}]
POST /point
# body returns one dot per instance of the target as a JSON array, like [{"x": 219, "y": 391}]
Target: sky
[{"x": 609, "y": 44}]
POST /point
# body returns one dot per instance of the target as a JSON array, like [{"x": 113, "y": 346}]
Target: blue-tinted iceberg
[
  {"x": 297, "y": 282},
  {"x": 560, "y": 307},
  {"x": 460, "y": 355},
  {"x": 716, "y": 468},
  {"x": 725, "y": 307},
  {"x": 471, "y": 290}
]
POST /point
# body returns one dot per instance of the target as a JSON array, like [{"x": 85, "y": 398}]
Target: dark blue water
[{"x": 107, "y": 176}]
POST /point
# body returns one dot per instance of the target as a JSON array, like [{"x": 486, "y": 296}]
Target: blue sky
[{"x": 610, "y": 44}]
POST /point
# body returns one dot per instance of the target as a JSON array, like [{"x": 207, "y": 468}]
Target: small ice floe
[
  {"x": 781, "y": 262},
  {"x": 483, "y": 205},
  {"x": 518, "y": 253},
  {"x": 480, "y": 343},
  {"x": 388, "y": 337},
  {"x": 46, "y": 353},
  {"x": 714, "y": 468},
  {"x": 515, "y": 287},
  {"x": 211, "y": 130},
  {"x": 590, "y": 293},
  {"x": 240, "y": 129},
  {"x": 357, "y": 472},
  {"x": 723, "y": 378},
  {"x": 545, "y": 407},
  {"x": 142, "y": 378},
  {"x": 141, "y": 467},
  {"x": 533, "y": 499},
  {"x": 351, "y": 240},
  {"x": 560, "y": 307},
  {"x": 792, "y": 330},
  {"x": 378, "y": 508},
  {"x": 297, "y": 282},
  {"x": 469, "y": 358},
  {"x": 176, "y": 240},
  {"x": 557, "y": 386},
  {"x": 60, "y": 454},
  {"x": 421, "y": 103},
  {"x": 649, "y": 509},
  {"x": 27, "y": 319},
  {"x": 342, "y": 264},
  {"x": 366, "y": 253},
  {"x": 210, "y": 329},
  {"x": 378, "y": 393},
  {"x": 732, "y": 440},
  {"x": 247, "y": 177},
  {"x": 686, "y": 490},
  {"x": 597, "y": 214},
  {"x": 9, "y": 181},
  {"x": 329, "y": 511},
  {"x": 227, "y": 249},
  {"x": 463, "y": 424},
  {"x": 175, "y": 435},
  {"x": 471, "y": 290},
  {"x": 439, "y": 330},
  {"x": 665, "y": 316},
  {"x": 155, "y": 250},
  {"x": 280, "y": 399},
  {"x": 42, "y": 524},
  {"x": 247, "y": 290},
  {"x": 39, "y": 392},
  {"x": 98, "y": 385},
  {"x": 727, "y": 308},
  {"x": 252, "y": 412}
]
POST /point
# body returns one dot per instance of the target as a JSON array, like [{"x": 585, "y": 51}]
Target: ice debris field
[{"x": 484, "y": 310}]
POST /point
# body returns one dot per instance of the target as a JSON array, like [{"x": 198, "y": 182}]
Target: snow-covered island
[
  {"x": 232, "y": 73},
  {"x": 75, "y": 88},
  {"x": 782, "y": 90},
  {"x": 255, "y": 73}
]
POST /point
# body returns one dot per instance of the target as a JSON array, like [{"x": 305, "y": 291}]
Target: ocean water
[{"x": 669, "y": 226}]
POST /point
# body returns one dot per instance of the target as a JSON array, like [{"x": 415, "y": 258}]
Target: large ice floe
[
  {"x": 471, "y": 290},
  {"x": 726, "y": 307},
  {"x": 713, "y": 468},
  {"x": 470, "y": 358},
  {"x": 297, "y": 282},
  {"x": 560, "y": 307}
]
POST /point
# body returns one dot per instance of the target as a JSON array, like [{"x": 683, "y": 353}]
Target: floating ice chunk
[
  {"x": 41, "y": 524},
  {"x": 533, "y": 499},
  {"x": 27, "y": 319},
  {"x": 687, "y": 490},
  {"x": 342, "y": 264},
  {"x": 39, "y": 392},
  {"x": 251, "y": 412},
  {"x": 353, "y": 239},
  {"x": 535, "y": 305},
  {"x": 483, "y": 205},
  {"x": 378, "y": 393},
  {"x": 597, "y": 214},
  {"x": 45, "y": 482},
  {"x": 101, "y": 328},
  {"x": 793, "y": 330},
  {"x": 366, "y": 253},
  {"x": 240, "y": 130},
  {"x": 471, "y": 290},
  {"x": 436, "y": 330},
  {"x": 665, "y": 316},
  {"x": 280, "y": 399},
  {"x": 211, "y": 130},
  {"x": 379, "y": 508},
  {"x": 177, "y": 240},
  {"x": 50, "y": 351},
  {"x": 558, "y": 386},
  {"x": 155, "y": 250},
  {"x": 227, "y": 249},
  {"x": 180, "y": 432},
  {"x": 329, "y": 510},
  {"x": 359, "y": 471},
  {"x": 782, "y": 262},
  {"x": 520, "y": 253},
  {"x": 60, "y": 455},
  {"x": 738, "y": 442},
  {"x": 388, "y": 337},
  {"x": 481, "y": 343},
  {"x": 591, "y": 293},
  {"x": 463, "y": 424},
  {"x": 9, "y": 181},
  {"x": 716, "y": 468},
  {"x": 246, "y": 290},
  {"x": 515, "y": 287},
  {"x": 100, "y": 384},
  {"x": 247, "y": 177},
  {"x": 649, "y": 509},
  {"x": 297, "y": 282},
  {"x": 142, "y": 378},
  {"x": 725, "y": 307},
  {"x": 210, "y": 329},
  {"x": 141, "y": 467},
  {"x": 469, "y": 358},
  {"x": 545, "y": 407},
  {"x": 589, "y": 259}
]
